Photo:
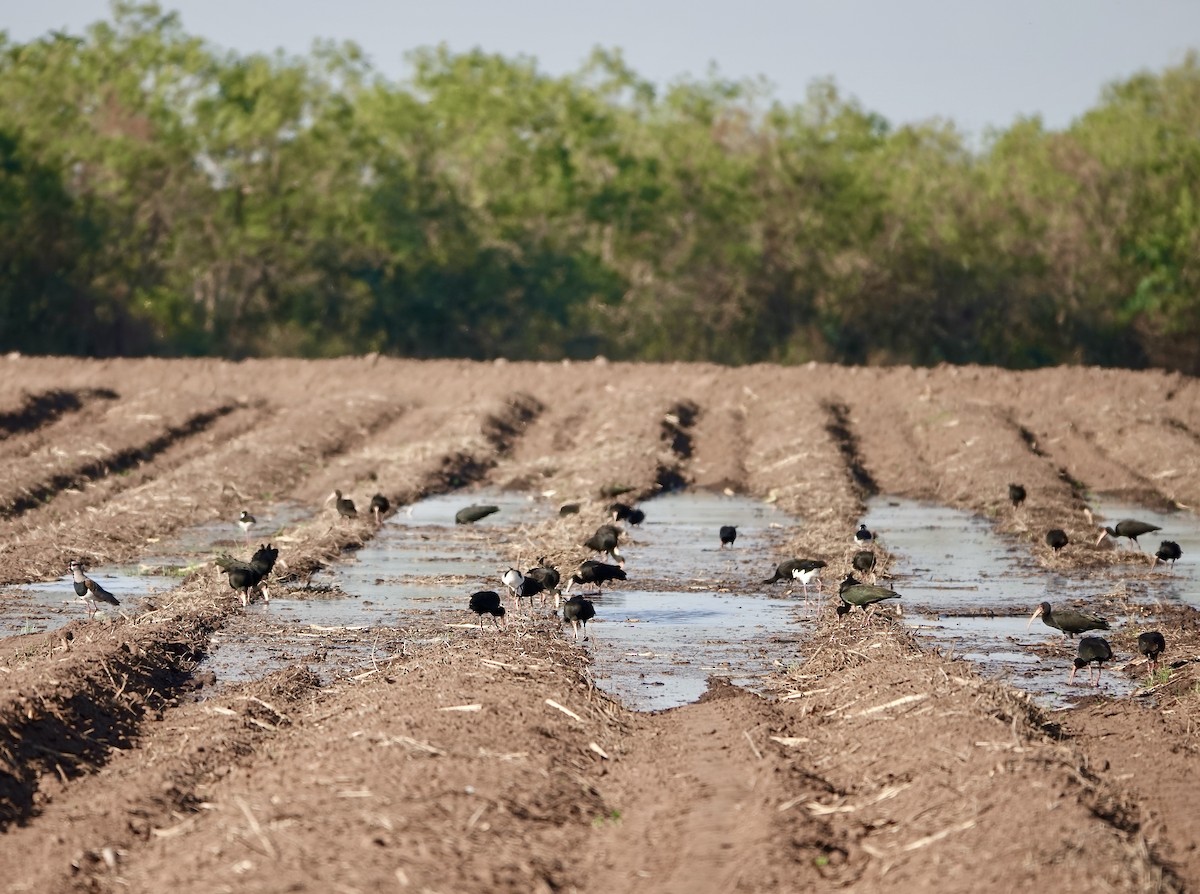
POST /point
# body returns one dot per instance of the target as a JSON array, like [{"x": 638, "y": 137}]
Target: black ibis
[
  {"x": 1151, "y": 644},
  {"x": 245, "y": 576},
  {"x": 1016, "y": 493},
  {"x": 605, "y": 541},
  {"x": 578, "y": 611},
  {"x": 1069, "y": 621},
  {"x": 1128, "y": 527},
  {"x": 620, "y": 511},
  {"x": 1168, "y": 551},
  {"x": 379, "y": 507},
  {"x": 864, "y": 562},
  {"x": 522, "y": 586},
  {"x": 546, "y": 575},
  {"x": 598, "y": 573},
  {"x": 568, "y": 509},
  {"x": 1056, "y": 539},
  {"x": 471, "y": 514},
  {"x": 803, "y": 570},
  {"x": 89, "y": 591},
  {"x": 1092, "y": 649},
  {"x": 246, "y": 521},
  {"x": 863, "y": 537},
  {"x": 728, "y": 534},
  {"x": 344, "y": 505},
  {"x": 487, "y": 602},
  {"x": 854, "y": 592}
]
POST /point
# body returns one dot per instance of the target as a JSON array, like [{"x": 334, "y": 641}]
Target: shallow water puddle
[
  {"x": 198, "y": 544},
  {"x": 1180, "y": 582},
  {"x": 970, "y": 592},
  {"x": 49, "y": 605}
]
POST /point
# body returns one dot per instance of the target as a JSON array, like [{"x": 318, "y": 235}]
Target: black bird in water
[
  {"x": 864, "y": 562},
  {"x": 728, "y": 534},
  {"x": 1151, "y": 644},
  {"x": 1168, "y": 551},
  {"x": 863, "y": 537},
  {"x": 578, "y": 611},
  {"x": 1069, "y": 621},
  {"x": 245, "y": 576},
  {"x": 1016, "y": 493},
  {"x": 379, "y": 507},
  {"x": 471, "y": 514},
  {"x": 487, "y": 602},
  {"x": 344, "y": 505},
  {"x": 803, "y": 570},
  {"x": 89, "y": 591},
  {"x": 546, "y": 575},
  {"x": 604, "y": 541},
  {"x": 246, "y": 521},
  {"x": 1056, "y": 539},
  {"x": 623, "y": 512},
  {"x": 854, "y": 592},
  {"x": 598, "y": 573},
  {"x": 1092, "y": 649},
  {"x": 1128, "y": 527}
]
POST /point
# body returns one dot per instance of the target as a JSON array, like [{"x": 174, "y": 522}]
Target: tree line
[{"x": 161, "y": 196}]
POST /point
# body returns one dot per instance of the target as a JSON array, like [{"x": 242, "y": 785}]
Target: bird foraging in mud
[
  {"x": 728, "y": 534},
  {"x": 1056, "y": 539},
  {"x": 1092, "y": 650},
  {"x": 604, "y": 541},
  {"x": 522, "y": 586},
  {"x": 626, "y": 513},
  {"x": 89, "y": 592},
  {"x": 487, "y": 602},
  {"x": 578, "y": 611},
  {"x": 597, "y": 573},
  {"x": 470, "y": 514},
  {"x": 1128, "y": 527},
  {"x": 863, "y": 537},
  {"x": 803, "y": 570},
  {"x": 244, "y": 577},
  {"x": 1016, "y": 493},
  {"x": 1168, "y": 551},
  {"x": 546, "y": 575},
  {"x": 1152, "y": 644},
  {"x": 852, "y": 592},
  {"x": 864, "y": 562},
  {"x": 1069, "y": 621},
  {"x": 379, "y": 507},
  {"x": 246, "y": 521},
  {"x": 344, "y": 505}
]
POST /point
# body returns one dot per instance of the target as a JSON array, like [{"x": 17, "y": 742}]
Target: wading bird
[
  {"x": 487, "y": 602},
  {"x": 852, "y": 592},
  {"x": 604, "y": 541},
  {"x": 1151, "y": 644},
  {"x": 578, "y": 611},
  {"x": 379, "y": 507},
  {"x": 863, "y": 537},
  {"x": 1069, "y": 621},
  {"x": 1016, "y": 493},
  {"x": 344, "y": 505},
  {"x": 864, "y": 562},
  {"x": 1056, "y": 539},
  {"x": 1168, "y": 551},
  {"x": 728, "y": 534},
  {"x": 1092, "y": 649},
  {"x": 246, "y": 521},
  {"x": 471, "y": 514},
  {"x": 1128, "y": 527},
  {"x": 546, "y": 575},
  {"x": 244, "y": 577},
  {"x": 90, "y": 592},
  {"x": 597, "y": 573},
  {"x": 803, "y": 570}
]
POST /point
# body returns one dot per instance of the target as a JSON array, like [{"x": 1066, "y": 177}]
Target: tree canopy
[{"x": 159, "y": 195}]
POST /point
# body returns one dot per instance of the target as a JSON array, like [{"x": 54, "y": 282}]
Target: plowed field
[{"x": 871, "y": 765}]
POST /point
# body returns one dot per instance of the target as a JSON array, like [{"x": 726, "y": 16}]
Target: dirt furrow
[{"x": 39, "y": 411}]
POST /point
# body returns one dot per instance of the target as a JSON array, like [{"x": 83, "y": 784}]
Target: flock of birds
[
  {"x": 1095, "y": 650},
  {"x": 248, "y": 578}
]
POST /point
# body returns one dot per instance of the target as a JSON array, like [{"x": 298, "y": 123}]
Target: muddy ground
[{"x": 456, "y": 760}]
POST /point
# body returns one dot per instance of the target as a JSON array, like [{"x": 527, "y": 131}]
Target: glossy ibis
[
  {"x": 728, "y": 534},
  {"x": 568, "y": 509},
  {"x": 245, "y": 576},
  {"x": 854, "y": 592},
  {"x": 470, "y": 514},
  {"x": 379, "y": 507},
  {"x": 546, "y": 575},
  {"x": 1092, "y": 649},
  {"x": 344, "y": 505},
  {"x": 1016, "y": 493},
  {"x": 864, "y": 562},
  {"x": 1128, "y": 527},
  {"x": 863, "y": 537},
  {"x": 1056, "y": 539},
  {"x": 1151, "y": 644},
  {"x": 1069, "y": 621},
  {"x": 90, "y": 592},
  {"x": 578, "y": 611},
  {"x": 487, "y": 602},
  {"x": 598, "y": 573},
  {"x": 1168, "y": 551},
  {"x": 626, "y": 513},
  {"x": 246, "y": 521},
  {"x": 604, "y": 541}
]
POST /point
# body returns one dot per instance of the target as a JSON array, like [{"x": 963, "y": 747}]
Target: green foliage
[{"x": 159, "y": 195}]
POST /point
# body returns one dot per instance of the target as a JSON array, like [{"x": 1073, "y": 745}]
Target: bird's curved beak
[
  {"x": 1037, "y": 613},
  {"x": 1100, "y": 539},
  {"x": 330, "y": 497}
]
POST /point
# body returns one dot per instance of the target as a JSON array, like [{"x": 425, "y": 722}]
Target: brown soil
[{"x": 873, "y": 765}]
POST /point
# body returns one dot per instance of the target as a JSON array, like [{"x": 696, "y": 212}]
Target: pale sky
[{"x": 979, "y": 63}]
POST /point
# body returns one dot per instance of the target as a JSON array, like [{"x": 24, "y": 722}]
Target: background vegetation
[{"x": 158, "y": 195}]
